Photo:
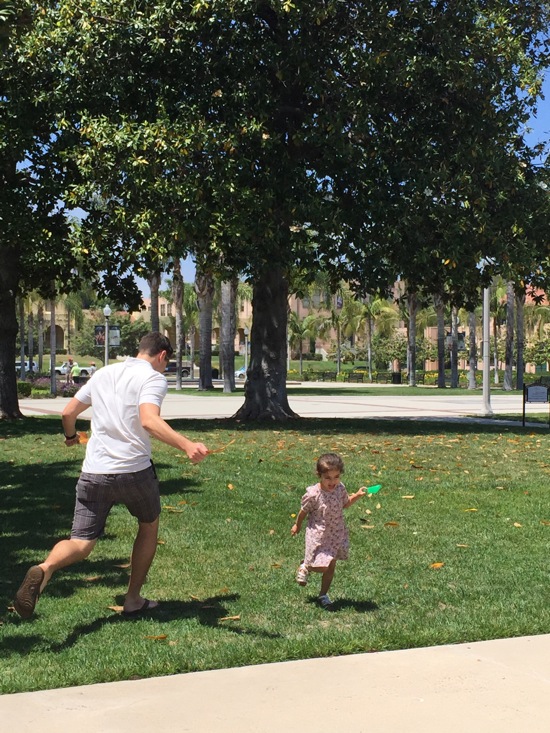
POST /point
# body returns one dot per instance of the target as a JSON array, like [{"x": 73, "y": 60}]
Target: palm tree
[
  {"x": 204, "y": 288},
  {"x": 472, "y": 350},
  {"x": 300, "y": 329},
  {"x": 228, "y": 320},
  {"x": 509, "y": 354},
  {"x": 190, "y": 320},
  {"x": 154, "y": 281},
  {"x": 439, "y": 304},
  {"x": 177, "y": 297},
  {"x": 498, "y": 310}
]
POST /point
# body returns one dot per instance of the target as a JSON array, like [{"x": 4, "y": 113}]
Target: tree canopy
[{"x": 370, "y": 140}]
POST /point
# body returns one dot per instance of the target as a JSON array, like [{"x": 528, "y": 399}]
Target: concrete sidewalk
[{"x": 498, "y": 686}]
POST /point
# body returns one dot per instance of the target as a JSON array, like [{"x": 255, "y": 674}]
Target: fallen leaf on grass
[
  {"x": 367, "y": 526},
  {"x": 161, "y": 542},
  {"x": 123, "y": 565},
  {"x": 545, "y": 521},
  {"x": 230, "y": 618},
  {"x": 92, "y": 578},
  {"x": 436, "y": 565},
  {"x": 391, "y": 524},
  {"x": 463, "y": 545},
  {"x": 159, "y": 637},
  {"x": 230, "y": 487},
  {"x": 276, "y": 565},
  {"x": 220, "y": 450},
  {"x": 116, "y": 609},
  {"x": 517, "y": 524},
  {"x": 194, "y": 598},
  {"x": 410, "y": 496},
  {"x": 470, "y": 510}
]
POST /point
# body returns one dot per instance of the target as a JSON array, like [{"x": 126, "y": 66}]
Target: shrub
[
  {"x": 41, "y": 393},
  {"x": 69, "y": 390},
  {"x": 24, "y": 389}
]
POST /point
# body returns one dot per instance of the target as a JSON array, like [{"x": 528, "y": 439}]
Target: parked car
[
  {"x": 185, "y": 368},
  {"x": 240, "y": 373},
  {"x": 27, "y": 366},
  {"x": 64, "y": 368}
]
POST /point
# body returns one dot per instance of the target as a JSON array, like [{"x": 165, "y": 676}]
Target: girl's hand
[
  {"x": 294, "y": 529},
  {"x": 361, "y": 492}
]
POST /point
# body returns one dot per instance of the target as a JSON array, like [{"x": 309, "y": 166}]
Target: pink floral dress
[{"x": 326, "y": 533}]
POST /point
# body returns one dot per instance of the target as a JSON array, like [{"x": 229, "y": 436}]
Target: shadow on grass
[
  {"x": 343, "y": 604},
  {"x": 353, "y": 426},
  {"x": 210, "y": 612}
]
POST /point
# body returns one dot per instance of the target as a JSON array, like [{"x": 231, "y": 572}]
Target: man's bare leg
[
  {"x": 143, "y": 552},
  {"x": 63, "y": 554}
]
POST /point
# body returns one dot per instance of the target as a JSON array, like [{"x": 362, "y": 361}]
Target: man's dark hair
[{"x": 153, "y": 343}]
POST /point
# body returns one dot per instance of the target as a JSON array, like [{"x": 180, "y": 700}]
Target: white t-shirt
[{"x": 119, "y": 443}]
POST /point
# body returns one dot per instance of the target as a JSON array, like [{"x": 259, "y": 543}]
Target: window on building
[{"x": 162, "y": 310}]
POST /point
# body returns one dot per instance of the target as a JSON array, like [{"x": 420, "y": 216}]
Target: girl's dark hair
[
  {"x": 329, "y": 462},
  {"x": 153, "y": 343}
]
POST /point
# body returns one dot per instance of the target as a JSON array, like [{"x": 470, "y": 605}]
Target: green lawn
[{"x": 472, "y": 497}]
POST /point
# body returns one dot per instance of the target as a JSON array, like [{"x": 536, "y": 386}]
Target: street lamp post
[
  {"x": 246, "y": 332},
  {"x": 107, "y": 312}
]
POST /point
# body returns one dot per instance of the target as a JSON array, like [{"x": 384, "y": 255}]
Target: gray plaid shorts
[{"x": 97, "y": 493}]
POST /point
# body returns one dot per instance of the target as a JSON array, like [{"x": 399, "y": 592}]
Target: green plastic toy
[{"x": 374, "y": 489}]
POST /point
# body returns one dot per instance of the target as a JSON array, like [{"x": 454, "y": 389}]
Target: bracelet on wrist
[{"x": 70, "y": 437}]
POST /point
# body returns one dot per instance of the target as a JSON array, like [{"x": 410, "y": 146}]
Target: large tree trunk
[
  {"x": 411, "y": 338},
  {"x": 472, "y": 351},
  {"x": 227, "y": 336},
  {"x": 520, "y": 339},
  {"x": 9, "y": 406},
  {"x": 508, "y": 384},
  {"x": 204, "y": 287},
  {"x": 265, "y": 388},
  {"x": 440, "y": 311},
  {"x": 177, "y": 297}
]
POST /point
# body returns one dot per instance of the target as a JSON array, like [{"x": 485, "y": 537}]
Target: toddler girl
[{"x": 327, "y": 537}]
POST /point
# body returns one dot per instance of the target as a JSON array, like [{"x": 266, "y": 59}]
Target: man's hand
[{"x": 196, "y": 452}]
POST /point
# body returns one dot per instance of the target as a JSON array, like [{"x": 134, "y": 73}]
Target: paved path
[
  {"x": 500, "y": 686},
  {"x": 344, "y": 405}
]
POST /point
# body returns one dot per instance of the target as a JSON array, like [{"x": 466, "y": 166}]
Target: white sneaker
[
  {"x": 325, "y": 602},
  {"x": 302, "y": 575}
]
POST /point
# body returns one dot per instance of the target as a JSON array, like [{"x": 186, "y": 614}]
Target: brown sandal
[{"x": 29, "y": 592}]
